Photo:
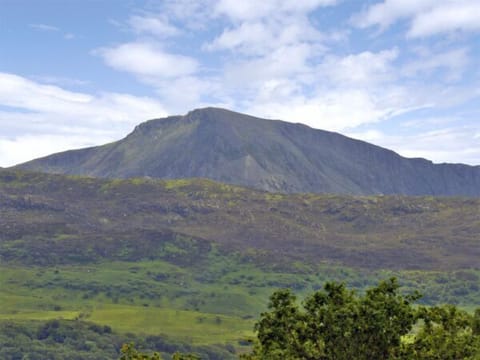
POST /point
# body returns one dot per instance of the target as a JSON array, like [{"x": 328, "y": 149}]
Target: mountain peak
[
  {"x": 200, "y": 114},
  {"x": 219, "y": 114},
  {"x": 211, "y": 111},
  {"x": 235, "y": 148}
]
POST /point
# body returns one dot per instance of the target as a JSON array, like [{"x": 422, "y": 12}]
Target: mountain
[{"x": 270, "y": 155}]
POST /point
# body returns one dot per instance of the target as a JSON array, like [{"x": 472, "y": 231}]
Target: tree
[
  {"x": 447, "y": 334},
  {"x": 336, "y": 323},
  {"x": 130, "y": 353}
]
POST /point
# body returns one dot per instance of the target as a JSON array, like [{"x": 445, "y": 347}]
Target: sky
[{"x": 402, "y": 74}]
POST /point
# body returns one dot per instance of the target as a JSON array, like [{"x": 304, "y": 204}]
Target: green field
[{"x": 201, "y": 305}]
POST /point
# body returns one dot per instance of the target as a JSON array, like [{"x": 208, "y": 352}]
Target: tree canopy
[{"x": 337, "y": 323}]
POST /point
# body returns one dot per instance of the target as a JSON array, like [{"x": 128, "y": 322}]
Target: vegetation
[
  {"x": 130, "y": 353},
  {"x": 333, "y": 323},
  {"x": 197, "y": 260},
  {"x": 338, "y": 324},
  {"x": 51, "y": 219},
  {"x": 81, "y": 340}
]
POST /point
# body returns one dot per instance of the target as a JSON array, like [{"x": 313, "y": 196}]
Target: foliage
[
  {"x": 203, "y": 305},
  {"x": 447, "y": 334},
  {"x": 336, "y": 323},
  {"x": 130, "y": 353},
  {"x": 57, "y": 340},
  {"x": 80, "y": 340}
]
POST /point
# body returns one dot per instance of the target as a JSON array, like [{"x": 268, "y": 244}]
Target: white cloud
[
  {"x": 174, "y": 77},
  {"x": 272, "y": 43},
  {"x": 46, "y": 112},
  {"x": 255, "y": 34},
  {"x": 453, "y": 145},
  {"x": 20, "y": 93},
  {"x": 437, "y": 121},
  {"x": 60, "y": 80},
  {"x": 288, "y": 61},
  {"x": 155, "y": 25},
  {"x": 193, "y": 14},
  {"x": 261, "y": 37},
  {"x": 447, "y": 17},
  {"x": 14, "y": 92},
  {"x": 388, "y": 12},
  {"x": 44, "y": 27},
  {"x": 147, "y": 59},
  {"x": 279, "y": 68},
  {"x": 344, "y": 92},
  {"x": 51, "y": 29},
  {"x": 262, "y": 26},
  {"x": 363, "y": 69},
  {"x": 453, "y": 61},
  {"x": 186, "y": 93},
  {"x": 336, "y": 111},
  {"x": 427, "y": 17},
  {"x": 340, "y": 92},
  {"x": 26, "y": 147},
  {"x": 253, "y": 9}
]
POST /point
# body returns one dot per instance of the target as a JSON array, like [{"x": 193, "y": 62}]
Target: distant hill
[
  {"x": 270, "y": 155},
  {"x": 50, "y": 219}
]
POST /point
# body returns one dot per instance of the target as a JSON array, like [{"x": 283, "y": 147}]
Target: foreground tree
[
  {"x": 447, "y": 334},
  {"x": 336, "y": 323}
]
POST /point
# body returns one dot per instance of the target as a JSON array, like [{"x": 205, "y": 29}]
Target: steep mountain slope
[
  {"x": 270, "y": 155},
  {"x": 49, "y": 219}
]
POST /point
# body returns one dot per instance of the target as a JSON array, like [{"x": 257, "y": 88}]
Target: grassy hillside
[{"x": 195, "y": 261}]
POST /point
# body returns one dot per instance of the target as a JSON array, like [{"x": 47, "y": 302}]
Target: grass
[
  {"x": 72, "y": 292},
  {"x": 215, "y": 303},
  {"x": 40, "y": 315},
  {"x": 195, "y": 327}
]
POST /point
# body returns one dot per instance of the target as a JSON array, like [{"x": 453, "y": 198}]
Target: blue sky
[{"x": 403, "y": 74}]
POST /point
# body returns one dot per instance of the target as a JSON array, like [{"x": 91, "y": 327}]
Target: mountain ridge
[{"x": 271, "y": 155}]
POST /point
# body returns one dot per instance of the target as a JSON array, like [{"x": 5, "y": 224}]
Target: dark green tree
[
  {"x": 281, "y": 331},
  {"x": 338, "y": 324}
]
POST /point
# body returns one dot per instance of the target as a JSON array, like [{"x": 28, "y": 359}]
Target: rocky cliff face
[{"x": 271, "y": 155}]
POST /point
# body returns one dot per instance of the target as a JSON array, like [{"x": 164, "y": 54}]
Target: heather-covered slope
[
  {"x": 271, "y": 155},
  {"x": 49, "y": 219}
]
